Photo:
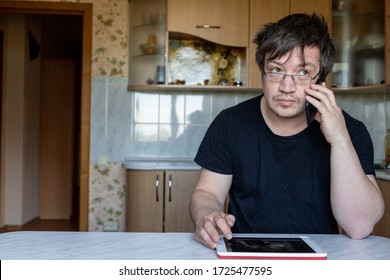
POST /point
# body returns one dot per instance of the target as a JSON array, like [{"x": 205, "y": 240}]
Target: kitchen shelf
[
  {"x": 361, "y": 89},
  {"x": 191, "y": 89}
]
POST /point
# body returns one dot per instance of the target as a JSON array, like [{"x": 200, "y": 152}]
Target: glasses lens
[
  {"x": 302, "y": 79},
  {"x": 275, "y": 77}
]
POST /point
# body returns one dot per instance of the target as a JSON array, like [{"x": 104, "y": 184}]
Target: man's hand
[
  {"x": 329, "y": 115},
  {"x": 211, "y": 226}
]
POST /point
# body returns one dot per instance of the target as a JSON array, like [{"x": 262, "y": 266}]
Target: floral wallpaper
[
  {"x": 110, "y": 38},
  {"x": 107, "y": 197}
]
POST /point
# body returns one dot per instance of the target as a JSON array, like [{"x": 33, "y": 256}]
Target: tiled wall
[
  {"x": 111, "y": 119},
  {"x": 150, "y": 125},
  {"x": 373, "y": 109},
  {"x": 136, "y": 124}
]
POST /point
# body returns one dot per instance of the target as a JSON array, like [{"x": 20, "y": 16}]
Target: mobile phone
[{"x": 310, "y": 109}]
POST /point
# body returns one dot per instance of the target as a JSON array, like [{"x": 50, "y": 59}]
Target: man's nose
[{"x": 287, "y": 84}]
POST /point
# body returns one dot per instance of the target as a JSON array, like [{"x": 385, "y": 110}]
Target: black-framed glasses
[{"x": 298, "y": 79}]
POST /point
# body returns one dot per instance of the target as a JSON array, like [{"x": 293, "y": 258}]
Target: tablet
[{"x": 270, "y": 246}]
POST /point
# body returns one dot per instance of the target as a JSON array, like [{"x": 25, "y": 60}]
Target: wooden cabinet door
[
  {"x": 261, "y": 13},
  {"x": 178, "y": 190},
  {"x": 220, "y": 21},
  {"x": 322, "y": 7},
  {"x": 145, "y": 200}
]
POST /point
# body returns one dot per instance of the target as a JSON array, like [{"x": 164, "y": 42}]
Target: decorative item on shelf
[
  {"x": 193, "y": 60},
  {"x": 180, "y": 82},
  {"x": 152, "y": 44},
  {"x": 151, "y": 47},
  {"x": 160, "y": 74}
]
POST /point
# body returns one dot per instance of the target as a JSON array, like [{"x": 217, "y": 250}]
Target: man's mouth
[{"x": 285, "y": 102}]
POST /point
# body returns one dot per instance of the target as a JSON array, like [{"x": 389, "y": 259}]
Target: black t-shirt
[{"x": 280, "y": 184}]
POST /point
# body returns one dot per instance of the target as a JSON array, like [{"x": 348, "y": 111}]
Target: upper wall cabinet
[
  {"x": 265, "y": 11},
  {"x": 147, "y": 37},
  {"x": 359, "y": 26},
  {"x": 223, "y": 22}
]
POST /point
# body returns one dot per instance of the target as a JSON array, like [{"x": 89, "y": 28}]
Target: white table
[{"x": 30, "y": 245}]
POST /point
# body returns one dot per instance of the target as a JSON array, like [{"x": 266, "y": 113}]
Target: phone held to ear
[{"x": 310, "y": 109}]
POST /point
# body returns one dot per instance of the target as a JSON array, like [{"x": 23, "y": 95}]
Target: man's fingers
[
  {"x": 224, "y": 223},
  {"x": 209, "y": 229},
  {"x": 203, "y": 237},
  {"x": 230, "y": 219}
]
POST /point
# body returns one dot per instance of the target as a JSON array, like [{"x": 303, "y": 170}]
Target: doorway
[
  {"x": 60, "y": 101},
  {"x": 81, "y": 14}
]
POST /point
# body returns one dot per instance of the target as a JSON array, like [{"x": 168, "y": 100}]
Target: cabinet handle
[
  {"x": 157, "y": 182},
  {"x": 170, "y": 187},
  {"x": 206, "y": 26}
]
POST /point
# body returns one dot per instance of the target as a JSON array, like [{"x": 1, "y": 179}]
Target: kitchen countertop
[
  {"x": 383, "y": 174},
  {"x": 160, "y": 164},
  {"x": 189, "y": 164},
  {"x": 40, "y": 245}
]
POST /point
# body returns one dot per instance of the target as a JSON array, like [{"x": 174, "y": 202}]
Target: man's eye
[
  {"x": 275, "y": 70},
  {"x": 303, "y": 72}
]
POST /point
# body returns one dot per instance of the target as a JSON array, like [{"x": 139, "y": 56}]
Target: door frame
[
  {"x": 84, "y": 10},
  {"x": 1, "y": 90}
]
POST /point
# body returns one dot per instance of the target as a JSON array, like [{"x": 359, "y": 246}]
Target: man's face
[{"x": 286, "y": 99}]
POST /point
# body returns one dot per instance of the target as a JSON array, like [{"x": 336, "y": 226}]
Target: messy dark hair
[{"x": 295, "y": 30}]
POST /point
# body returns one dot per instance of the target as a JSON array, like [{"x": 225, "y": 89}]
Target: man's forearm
[
  {"x": 356, "y": 200},
  {"x": 203, "y": 203}
]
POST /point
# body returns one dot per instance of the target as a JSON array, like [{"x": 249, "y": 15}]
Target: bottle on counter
[{"x": 387, "y": 148}]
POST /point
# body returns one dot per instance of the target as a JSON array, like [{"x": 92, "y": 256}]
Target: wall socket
[{"x": 111, "y": 226}]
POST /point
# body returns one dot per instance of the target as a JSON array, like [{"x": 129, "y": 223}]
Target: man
[{"x": 283, "y": 175}]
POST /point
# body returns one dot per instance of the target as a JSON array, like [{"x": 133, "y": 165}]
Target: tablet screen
[{"x": 264, "y": 244}]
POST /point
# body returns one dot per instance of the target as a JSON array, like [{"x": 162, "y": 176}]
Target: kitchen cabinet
[
  {"x": 223, "y": 22},
  {"x": 264, "y": 11},
  {"x": 208, "y": 42},
  {"x": 382, "y": 228},
  {"x": 158, "y": 200},
  {"x": 360, "y": 26}
]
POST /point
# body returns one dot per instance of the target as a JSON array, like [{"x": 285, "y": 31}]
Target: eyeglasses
[{"x": 298, "y": 79}]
